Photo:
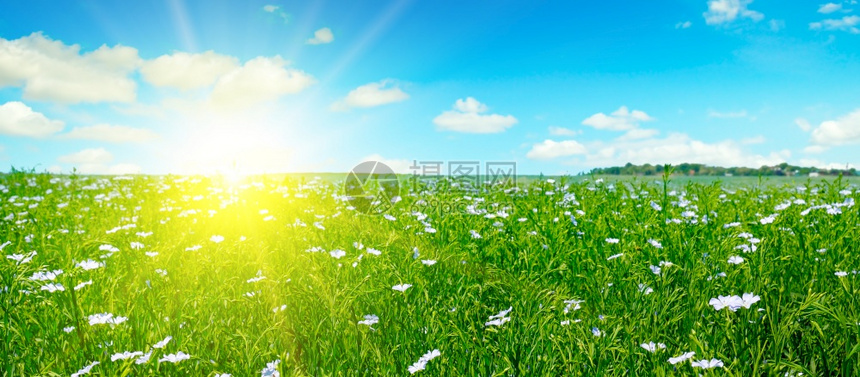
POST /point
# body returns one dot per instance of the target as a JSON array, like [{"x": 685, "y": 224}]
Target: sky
[{"x": 557, "y": 87}]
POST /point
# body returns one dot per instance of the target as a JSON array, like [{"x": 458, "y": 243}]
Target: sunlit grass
[{"x": 241, "y": 273}]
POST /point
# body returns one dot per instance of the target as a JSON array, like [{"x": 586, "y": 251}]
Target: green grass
[{"x": 807, "y": 319}]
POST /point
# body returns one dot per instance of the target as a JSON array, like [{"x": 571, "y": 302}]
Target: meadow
[{"x": 282, "y": 276}]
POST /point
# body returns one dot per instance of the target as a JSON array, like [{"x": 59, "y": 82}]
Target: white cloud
[
  {"x": 370, "y": 95},
  {"x": 829, "y": 8},
  {"x": 753, "y": 140},
  {"x": 842, "y": 131},
  {"x": 549, "y": 149},
  {"x": 96, "y": 161},
  {"x": 814, "y": 149},
  {"x": 726, "y": 11},
  {"x": 683, "y": 25},
  {"x": 400, "y": 166},
  {"x": 825, "y": 165},
  {"x": 561, "y": 131},
  {"x": 186, "y": 71},
  {"x": 18, "y": 119},
  {"x": 87, "y": 156},
  {"x": 467, "y": 117},
  {"x": 776, "y": 25},
  {"x": 321, "y": 36},
  {"x": 111, "y": 133},
  {"x": 678, "y": 148},
  {"x": 620, "y": 120},
  {"x": 847, "y": 23},
  {"x": 50, "y": 70},
  {"x": 803, "y": 124},
  {"x": 274, "y": 9},
  {"x": 639, "y": 133},
  {"x": 259, "y": 80},
  {"x": 730, "y": 114}
]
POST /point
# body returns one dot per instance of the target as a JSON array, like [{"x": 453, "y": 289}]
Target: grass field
[{"x": 276, "y": 276}]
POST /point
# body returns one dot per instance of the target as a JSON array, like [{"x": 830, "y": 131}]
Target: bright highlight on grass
[{"x": 280, "y": 275}]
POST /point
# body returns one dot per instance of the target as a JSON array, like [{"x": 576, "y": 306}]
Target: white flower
[
  {"x": 734, "y": 259},
  {"x": 428, "y": 262},
  {"x": 85, "y": 370},
  {"x": 655, "y": 269},
  {"x": 45, "y": 275},
  {"x": 369, "y": 320},
  {"x": 125, "y": 355},
  {"x": 572, "y": 305},
  {"x": 655, "y": 243},
  {"x": 401, "y": 287},
  {"x": 499, "y": 319},
  {"x": 143, "y": 359},
  {"x": 389, "y": 217},
  {"x": 69, "y": 329},
  {"x": 707, "y": 364},
  {"x": 611, "y": 240},
  {"x": 337, "y": 253},
  {"x": 596, "y": 332},
  {"x": 422, "y": 362},
  {"x": 163, "y": 343},
  {"x": 841, "y": 273},
  {"x": 51, "y": 287},
  {"x": 279, "y": 308},
  {"x": 175, "y": 358},
  {"x": 731, "y": 302},
  {"x": 216, "y": 239},
  {"x": 475, "y": 234},
  {"x": 105, "y": 319},
  {"x": 645, "y": 289},
  {"x": 21, "y": 258},
  {"x": 651, "y": 347},
  {"x": 373, "y": 251},
  {"x": 682, "y": 357},
  {"x": 748, "y": 299},
  {"x": 82, "y": 285},
  {"x": 271, "y": 369},
  {"x": 319, "y": 225},
  {"x": 89, "y": 264},
  {"x": 656, "y": 206},
  {"x": 151, "y": 254},
  {"x": 137, "y": 245},
  {"x": 768, "y": 220}
]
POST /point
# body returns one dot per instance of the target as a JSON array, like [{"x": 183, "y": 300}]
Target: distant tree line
[{"x": 782, "y": 169}]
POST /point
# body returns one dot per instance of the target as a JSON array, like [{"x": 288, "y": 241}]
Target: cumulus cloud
[
  {"x": 678, "y": 148},
  {"x": 96, "y": 161},
  {"x": 111, "y": 133},
  {"x": 561, "y": 131},
  {"x": 550, "y": 149},
  {"x": 50, "y": 70},
  {"x": 847, "y": 23},
  {"x": 321, "y": 36},
  {"x": 683, "y": 25},
  {"x": 841, "y": 131},
  {"x": 370, "y": 95},
  {"x": 18, "y": 119},
  {"x": 620, "y": 120},
  {"x": 274, "y": 9},
  {"x": 639, "y": 133},
  {"x": 259, "y": 80},
  {"x": 87, "y": 156},
  {"x": 803, "y": 124},
  {"x": 467, "y": 116},
  {"x": 726, "y": 11},
  {"x": 186, "y": 71},
  {"x": 829, "y": 8}
]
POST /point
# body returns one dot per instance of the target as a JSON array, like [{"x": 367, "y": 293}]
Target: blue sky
[{"x": 558, "y": 87}]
